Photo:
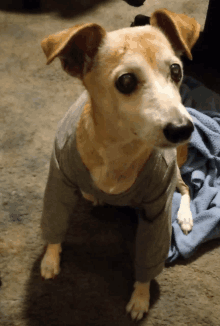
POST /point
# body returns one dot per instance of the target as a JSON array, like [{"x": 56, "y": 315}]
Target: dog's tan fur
[{"x": 116, "y": 133}]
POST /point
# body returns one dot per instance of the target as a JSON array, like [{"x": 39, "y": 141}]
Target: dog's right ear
[{"x": 75, "y": 47}]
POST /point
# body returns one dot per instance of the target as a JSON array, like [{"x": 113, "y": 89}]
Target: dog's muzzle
[{"x": 177, "y": 133}]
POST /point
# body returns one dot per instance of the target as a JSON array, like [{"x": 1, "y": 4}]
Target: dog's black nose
[{"x": 177, "y": 133}]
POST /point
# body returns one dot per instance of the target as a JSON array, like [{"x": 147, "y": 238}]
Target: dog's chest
[
  {"x": 141, "y": 181},
  {"x": 112, "y": 181},
  {"x": 115, "y": 177}
]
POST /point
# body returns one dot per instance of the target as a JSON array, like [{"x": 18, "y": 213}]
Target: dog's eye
[
  {"x": 176, "y": 73},
  {"x": 126, "y": 83}
]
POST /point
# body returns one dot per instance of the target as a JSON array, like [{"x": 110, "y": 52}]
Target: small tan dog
[{"x": 133, "y": 110}]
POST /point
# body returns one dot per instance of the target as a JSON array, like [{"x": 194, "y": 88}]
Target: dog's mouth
[
  {"x": 170, "y": 145},
  {"x": 167, "y": 145}
]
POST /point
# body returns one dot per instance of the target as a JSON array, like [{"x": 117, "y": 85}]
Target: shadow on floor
[
  {"x": 65, "y": 9},
  {"x": 97, "y": 275}
]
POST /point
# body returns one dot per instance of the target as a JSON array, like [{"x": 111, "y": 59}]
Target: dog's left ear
[{"x": 182, "y": 31}]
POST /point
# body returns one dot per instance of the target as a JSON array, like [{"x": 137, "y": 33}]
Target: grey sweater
[{"x": 151, "y": 193}]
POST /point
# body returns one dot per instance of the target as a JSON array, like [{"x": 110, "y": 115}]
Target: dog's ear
[
  {"x": 181, "y": 30},
  {"x": 75, "y": 47}
]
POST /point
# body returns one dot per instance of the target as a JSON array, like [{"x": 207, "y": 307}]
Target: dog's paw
[
  {"x": 185, "y": 219},
  {"x": 139, "y": 302},
  {"x": 50, "y": 265}
]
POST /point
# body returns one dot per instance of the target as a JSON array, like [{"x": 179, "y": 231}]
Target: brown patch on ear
[
  {"x": 181, "y": 30},
  {"x": 75, "y": 47}
]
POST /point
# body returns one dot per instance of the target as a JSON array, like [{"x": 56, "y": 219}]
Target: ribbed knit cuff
[{"x": 147, "y": 274}]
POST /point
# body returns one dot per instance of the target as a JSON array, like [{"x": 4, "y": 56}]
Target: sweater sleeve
[
  {"x": 154, "y": 230},
  {"x": 60, "y": 199},
  {"x": 152, "y": 246}
]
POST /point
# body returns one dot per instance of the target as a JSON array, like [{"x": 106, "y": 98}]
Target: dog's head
[{"x": 132, "y": 75}]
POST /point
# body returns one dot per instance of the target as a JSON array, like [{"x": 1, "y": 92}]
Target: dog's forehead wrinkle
[
  {"x": 145, "y": 52},
  {"x": 146, "y": 41}
]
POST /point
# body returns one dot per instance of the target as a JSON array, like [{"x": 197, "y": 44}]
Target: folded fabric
[{"x": 201, "y": 172}]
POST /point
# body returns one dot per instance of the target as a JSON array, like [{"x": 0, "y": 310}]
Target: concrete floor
[{"x": 34, "y": 98}]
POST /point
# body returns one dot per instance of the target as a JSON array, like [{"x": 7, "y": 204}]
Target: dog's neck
[{"x": 113, "y": 162}]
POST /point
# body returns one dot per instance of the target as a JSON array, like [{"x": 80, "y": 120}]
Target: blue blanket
[{"x": 201, "y": 172}]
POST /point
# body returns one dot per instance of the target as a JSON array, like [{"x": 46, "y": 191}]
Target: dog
[{"x": 126, "y": 137}]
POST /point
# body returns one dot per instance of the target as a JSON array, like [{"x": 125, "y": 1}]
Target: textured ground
[{"x": 97, "y": 274}]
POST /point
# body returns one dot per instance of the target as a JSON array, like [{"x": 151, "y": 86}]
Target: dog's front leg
[
  {"x": 139, "y": 302},
  {"x": 50, "y": 265},
  {"x": 184, "y": 215}
]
